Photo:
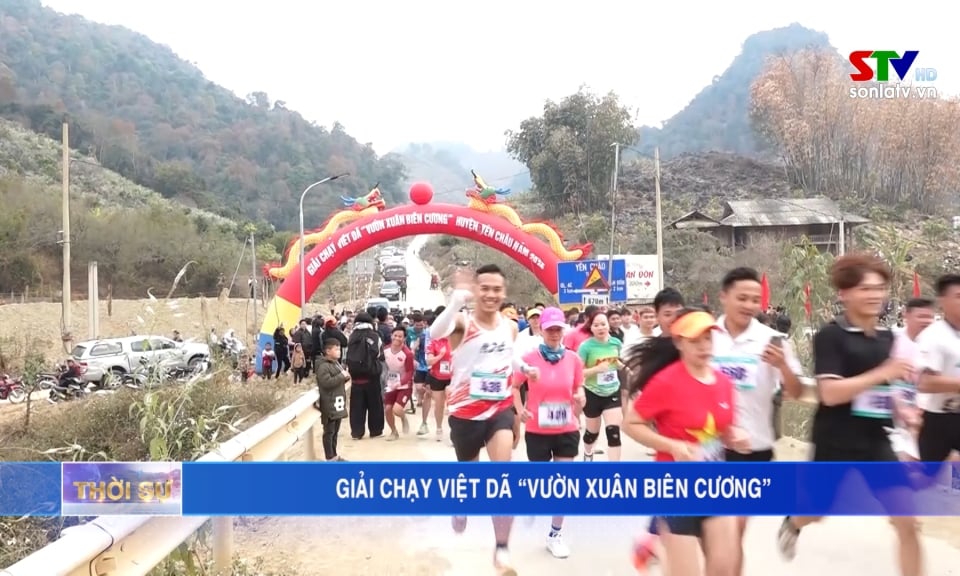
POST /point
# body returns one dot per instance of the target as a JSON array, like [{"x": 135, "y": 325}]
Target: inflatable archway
[{"x": 538, "y": 246}]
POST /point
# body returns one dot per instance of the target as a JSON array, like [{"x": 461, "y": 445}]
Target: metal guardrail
[{"x": 132, "y": 546}]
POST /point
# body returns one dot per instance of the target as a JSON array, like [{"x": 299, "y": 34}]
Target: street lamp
[{"x": 303, "y": 269}]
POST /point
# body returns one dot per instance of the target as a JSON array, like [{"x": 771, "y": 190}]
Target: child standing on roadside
[
  {"x": 298, "y": 363},
  {"x": 267, "y": 360},
  {"x": 332, "y": 381}
]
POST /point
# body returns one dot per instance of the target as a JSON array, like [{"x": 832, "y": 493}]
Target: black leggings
[
  {"x": 331, "y": 429},
  {"x": 283, "y": 363}
]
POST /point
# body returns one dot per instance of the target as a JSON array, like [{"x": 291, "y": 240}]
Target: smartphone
[{"x": 777, "y": 341}]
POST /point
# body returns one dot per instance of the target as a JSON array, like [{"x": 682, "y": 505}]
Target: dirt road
[{"x": 600, "y": 546}]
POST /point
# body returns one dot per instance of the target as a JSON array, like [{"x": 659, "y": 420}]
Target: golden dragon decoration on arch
[
  {"x": 355, "y": 208},
  {"x": 485, "y": 198},
  {"x": 482, "y": 198}
]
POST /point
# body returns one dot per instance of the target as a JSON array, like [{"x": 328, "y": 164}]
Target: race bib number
[
  {"x": 608, "y": 378},
  {"x": 741, "y": 370},
  {"x": 393, "y": 380},
  {"x": 554, "y": 415},
  {"x": 339, "y": 403},
  {"x": 874, "y": 403},
  {"x": 445, "y": 368},
  {"x": 487, "y": 386},
  {"x": 905, "y": 391},
  {"x": 712, "y": 451}
]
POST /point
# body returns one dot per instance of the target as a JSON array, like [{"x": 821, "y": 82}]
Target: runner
[
  {"x": 685, "y": 412},
  {"x": 656, "y": 322},
  {"x": 439, "y": 361},
  {"x": 758, "y": 360},
  {"x": 552, "y": 408},
  {"x": 399, "y": 360},
  {"x": 852, "y": 363},
  {"x": 421, "y": 392},
  {"x": 940, "y": 381},
  {"x": 480, "y": 397},
  {"x": 528, "y": 340},
  {"x": 601, "y": 357},
  {"x": 908, "y": 417}
]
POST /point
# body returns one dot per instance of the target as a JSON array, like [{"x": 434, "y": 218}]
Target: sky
[{"x": 433, "y": 70}]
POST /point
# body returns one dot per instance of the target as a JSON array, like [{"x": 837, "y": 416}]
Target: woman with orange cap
[{"x": 686, "y": 413}]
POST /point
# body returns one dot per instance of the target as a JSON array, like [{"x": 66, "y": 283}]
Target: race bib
[
  {"x": 608, "y": 378},
  {"x": 339, "y": 403},
  {"x": 393, "y": 380},
  {"x": 874, "y": 403},
  {"x": 445, "y": 368},
  {"x": 713, "y": 451},
  {"x": 741, "y": 370},
  {"x": 554, "y": 415},
  {"x": 905, "y": 391},
  {"x": 488, "y": 386}
]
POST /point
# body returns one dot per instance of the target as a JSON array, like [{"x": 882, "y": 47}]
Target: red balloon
[{"x": 421, "y": 193}]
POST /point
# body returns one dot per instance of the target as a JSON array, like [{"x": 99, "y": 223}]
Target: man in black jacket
[{"x": 364, "y": 355}]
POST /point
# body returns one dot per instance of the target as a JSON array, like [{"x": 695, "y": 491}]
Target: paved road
[{"x": 419, "y": 295}]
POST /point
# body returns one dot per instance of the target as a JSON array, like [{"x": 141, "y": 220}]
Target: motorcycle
[
  {"x": 47, "y": 380},
  {"x": 69, "y": 389},
  {"x": 12, "y": 389},
  {"x": 153, "y": 374}
]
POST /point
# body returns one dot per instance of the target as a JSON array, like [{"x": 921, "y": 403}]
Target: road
[
  {"x": 419, "y": 295},
  {"x": 373, "y": 546}
]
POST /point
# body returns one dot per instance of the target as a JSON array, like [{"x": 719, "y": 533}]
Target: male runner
[
  {"x": 854, "y": 370},
  {"x": 480, "y": 396},
  {"x": 940, "y": 378}
]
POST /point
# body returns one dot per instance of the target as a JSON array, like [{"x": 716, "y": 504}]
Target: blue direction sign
[{"x": 586, "y": 277}]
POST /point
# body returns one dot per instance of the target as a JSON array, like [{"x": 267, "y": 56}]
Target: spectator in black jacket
[
  {"x": 324, "y": 330},
  {"x": 304, "y": 338},
  {"x": 281, "y": 346},
  {"x": 383, "y": 328}
]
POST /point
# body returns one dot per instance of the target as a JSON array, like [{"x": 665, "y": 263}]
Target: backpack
[{"x": 363, "y": 354}]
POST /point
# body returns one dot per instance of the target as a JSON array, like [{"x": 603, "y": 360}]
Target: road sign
[
  {"x": 641, "y": 274},
  {"x": 361, "y": 266},
  {"x": 595, "y": 300},
  {"x": 589, "y": 277}
]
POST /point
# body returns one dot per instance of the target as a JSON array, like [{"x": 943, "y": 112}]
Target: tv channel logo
[{"x": 884, "y": 60}]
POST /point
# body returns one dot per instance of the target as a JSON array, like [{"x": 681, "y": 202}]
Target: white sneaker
[
  {"x": 557, "y": 546},
  {"x": 502, "y": 563}
]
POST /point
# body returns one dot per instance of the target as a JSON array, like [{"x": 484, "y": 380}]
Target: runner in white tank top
[
  {"x": 482, "y": 364},
  {"x": 481, "y": 400}
]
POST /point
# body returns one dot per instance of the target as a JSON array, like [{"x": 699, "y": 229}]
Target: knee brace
[
  {"x": 590, "y": 437},
  {"x": 613, "y": 436}
]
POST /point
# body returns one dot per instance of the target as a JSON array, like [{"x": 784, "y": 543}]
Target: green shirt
[{"x": 593, "y": 352}]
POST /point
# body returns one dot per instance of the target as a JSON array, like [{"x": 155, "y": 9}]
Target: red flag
[
  {"x": 706, "y": 300},
  {"x": 764, "y": 293},
  {"x": 916, "y": 284},
  {"x": 807, "y": 304}
]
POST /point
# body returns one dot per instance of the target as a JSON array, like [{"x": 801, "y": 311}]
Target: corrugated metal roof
[
  {"x": 785, "y": 212},
  {"x": 694, "y": 219}
]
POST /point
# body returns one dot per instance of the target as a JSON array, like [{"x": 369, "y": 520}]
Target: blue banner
[
  {"x": 29, "y": 489},
  {"x": 544, "y": 489}
]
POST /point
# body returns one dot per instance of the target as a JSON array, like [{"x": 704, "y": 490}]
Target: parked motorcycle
[
  {"x": 70, "y": 389},
  {"x": 47, "y": 380},
  {"x": 12, "y": 389}
]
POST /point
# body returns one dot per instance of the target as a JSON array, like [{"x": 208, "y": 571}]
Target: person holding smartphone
[{"x": 759, "y": 361}]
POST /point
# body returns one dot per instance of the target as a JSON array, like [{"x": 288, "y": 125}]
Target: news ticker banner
[{"x": 478, "y": 489}]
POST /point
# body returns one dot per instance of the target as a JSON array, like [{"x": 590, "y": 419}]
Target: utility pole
[
  {"x": 613, "y": 198},
  {"x": 253, "y": 275},
  {"x": 65, "y": 233},
  {"x": 656, "y": 184},
  {"x": 842, "y": 248}
]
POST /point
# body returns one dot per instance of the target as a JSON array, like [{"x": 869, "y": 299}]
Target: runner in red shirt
[
  {"x": 685, "y": 412},
  {"x": 399, "y": 381},
  {"x": 438, "y": 378}
]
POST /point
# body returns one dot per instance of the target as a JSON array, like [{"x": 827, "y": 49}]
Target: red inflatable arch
[{"x": 411, "y": 220}]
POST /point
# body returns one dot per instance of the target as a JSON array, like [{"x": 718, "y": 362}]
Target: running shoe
[
  {"x": 787, "y": 539},
  {"x": 439, "y": 434},
  {"x": 423, "y": 431},
  {"x": 587, "y": 457},
  {"x": 644, "y": 552},
  {"x": 557, "y": 547},
  {"x": 502, "y": 563}
]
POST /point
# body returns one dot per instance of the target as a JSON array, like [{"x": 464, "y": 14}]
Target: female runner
[
  {"x": 686, "y": 413},
  {"x": 601, "y": 356}
]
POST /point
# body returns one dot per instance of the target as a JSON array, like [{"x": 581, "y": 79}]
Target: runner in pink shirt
[{"x": 552, "y": 412}]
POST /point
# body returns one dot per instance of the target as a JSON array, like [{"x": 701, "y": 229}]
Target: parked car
[
  {"x": 390, "y": 290},
  {"x": 119, "y": 356}
]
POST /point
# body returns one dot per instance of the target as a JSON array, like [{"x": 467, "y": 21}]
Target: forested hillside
[
  {"x": 718, "y": 118},
  {"x": 145, "y": 113}
]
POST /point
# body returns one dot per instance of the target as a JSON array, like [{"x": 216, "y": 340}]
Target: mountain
[
  {"x": 447, "y": 165},
  {"x": 154, "y": 118},
  {"x": 718, "y": 118}
]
